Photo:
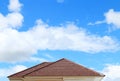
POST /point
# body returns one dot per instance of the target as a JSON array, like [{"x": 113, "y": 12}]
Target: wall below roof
[
  {"x": 16, "y": 80},
  {"x": 83, "y": 78},
  {"x": 60, "y": 78}
]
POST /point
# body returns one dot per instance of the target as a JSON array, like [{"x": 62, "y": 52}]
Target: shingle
[
  {"x": 29, "y": 70},
  {"x": 62, "y": 67}
]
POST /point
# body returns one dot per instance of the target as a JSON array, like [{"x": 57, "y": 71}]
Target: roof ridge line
[
  {"x": 27, "y": 69},
  {"x": 44, "y": 66}
]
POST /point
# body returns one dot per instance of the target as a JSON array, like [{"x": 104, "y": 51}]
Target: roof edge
[{"x": 26, "y": 69}]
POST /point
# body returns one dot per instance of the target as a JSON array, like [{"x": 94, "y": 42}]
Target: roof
[{"x": 62, "y": 67}]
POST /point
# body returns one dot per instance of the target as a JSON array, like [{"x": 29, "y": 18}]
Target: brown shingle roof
[
  {"x": 62, "y": 67},
  {"x": 24, "y": 72}
]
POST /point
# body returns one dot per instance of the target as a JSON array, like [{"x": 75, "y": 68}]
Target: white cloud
[
  {"x": 71, "y": 37},
  {"x": 14, "y": 5},
  {"x": 113, "y": 17},
  {"x": 97, "y": 22},
  {"x": 19, "y": 46},
  {"x": 13, "y": 19},
  {"x": 16, "y": 45},
  {"x": 112, "y": 73},
  {"x": 36, "y": 59},
  {"x": 49, "y": 56},
  {"x": 11, "y": 70}
]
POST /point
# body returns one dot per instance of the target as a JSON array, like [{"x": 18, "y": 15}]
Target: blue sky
[{"x": 83, "y": 31}]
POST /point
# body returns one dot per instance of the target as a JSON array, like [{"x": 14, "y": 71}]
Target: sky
[{"x": 83, "y": 31}]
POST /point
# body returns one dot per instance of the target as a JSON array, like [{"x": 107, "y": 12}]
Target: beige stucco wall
[
  {"x": 83, "y": 78},
  {"x": 59, "y": 78},
  {"x": 43, "y": 79},
  {"x": 15, "y": 80}
]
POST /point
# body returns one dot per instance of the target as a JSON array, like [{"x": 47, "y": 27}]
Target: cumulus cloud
[
  {"x": 14, "y": 6},
  {"x": 19, "y": 46},
  {"x": 13, "y": 19},
  {"x": 11, "y": 70},
  {"x": 113, "y": 17},
  {"x": 112, "y": 72},
  {"x": 16, "y": 45}
]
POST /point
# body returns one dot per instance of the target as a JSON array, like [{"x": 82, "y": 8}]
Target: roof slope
[
  {"x": 26, "y": 71},
  {"x": 62, "y": 67}
]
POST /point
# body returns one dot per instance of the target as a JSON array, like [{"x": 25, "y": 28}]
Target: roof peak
[{"x": 62, "y": 67}]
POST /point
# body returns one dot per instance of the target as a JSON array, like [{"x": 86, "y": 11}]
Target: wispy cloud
[
  {"x": 37, "y": 59},
  {"x": 111, "y": 18},
  {"x": 97, "y": 22},
  {"x": 49, "y": 56}
]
